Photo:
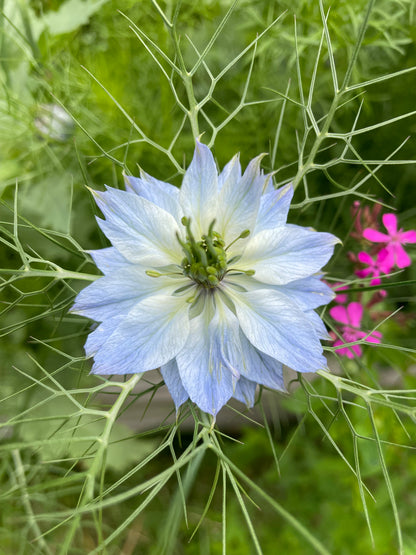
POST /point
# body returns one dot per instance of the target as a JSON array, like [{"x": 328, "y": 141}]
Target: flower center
[{"x": 205, "y": 261}]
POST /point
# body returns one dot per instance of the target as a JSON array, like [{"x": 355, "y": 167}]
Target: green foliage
[{"x": 87, "y": 92}]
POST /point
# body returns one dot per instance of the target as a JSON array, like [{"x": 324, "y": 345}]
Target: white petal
[
  {"x": 149, "y": 336},
  {"x": 276, "y": 326},
  {"x": 143, "y": 232},
  {"x": 198, "y": 194},
  {"x": 287, "y": 253}
]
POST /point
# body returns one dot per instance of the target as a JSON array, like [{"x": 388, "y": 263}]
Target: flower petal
[
  {"x": 276, "y": 326},
  {"x": 143, "y": 232},
  {"x": 365, "y": 258},
  {"x": 100, "y": 334},
  {"x": 150, "y": 335},
  {"x": 203, "y": 363},
  {"x": 259, "y": 367},
  {"x": 162, "y": 194},
  {"x": 287, "y": 253},
  {"x": 339, "y": 313},
  {"x": 245, "y": 391},
  {"x": 355, "y": 313},
  {"x": 375, "y": 236},
  {"x": 390, "y": 223},
  {"x": 108, "y": 259},
  {"x": 198, "y": 194},
  {"x": 401, "y": 257},
  {"x": 274, "y": 207},
  {"x": 170, "y": 374},
  {"x": 231, "y": 172},
  {"x": 119, "y": 291},
  {"x": 309, "y": 292},
  {"x": 407, "y": 237},
  {"x": 239, "y": 201}
]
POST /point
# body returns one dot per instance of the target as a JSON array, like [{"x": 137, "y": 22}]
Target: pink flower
[
  {"x": 376, "y": 266},
  {"x": 350, "y": 316},
  {"x": 340, "y": 297},
  {"x": 394, "y": 240}
]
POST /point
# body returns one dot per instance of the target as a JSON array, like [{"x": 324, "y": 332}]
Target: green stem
[
  {"x": 193, "y": 108},
  {"x": 56, "y": 274},
  {"x": 98, "y": 463}
]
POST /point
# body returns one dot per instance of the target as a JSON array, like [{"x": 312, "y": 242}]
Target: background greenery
[{"x": 331, "y": 471}]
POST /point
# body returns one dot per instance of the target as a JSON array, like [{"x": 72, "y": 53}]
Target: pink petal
[
  {"x": 385, "y": 261},
  {"x": 390, "y": 223},
  {"x": 363, "y": 273},
  {"x": 373, "y": 235},
  {"x": 357, "y": 350},
  {"x": 402, "y": 258},
  {"x": 407, "y": 237},
  {"x": 375, "y": 281},
  {"x": 365, "y": 258},
  {"x": 339, "y": 313},
  {"x": 375, "y": 337},
  {"x": 355, "y": 313},
  {"x": 341, "y": 298}
]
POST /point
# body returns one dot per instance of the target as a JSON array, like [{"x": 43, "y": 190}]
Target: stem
[
  {"x": 21, "y": 480},
  {"x": 304, "y": 168},
  {"x": 193, "y": 109},
  {"x": 57, "y": 274},
  {"x": 98, "y": 464}
]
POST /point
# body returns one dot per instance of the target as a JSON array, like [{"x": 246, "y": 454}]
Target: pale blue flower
[{"x": 207, "y": 282}]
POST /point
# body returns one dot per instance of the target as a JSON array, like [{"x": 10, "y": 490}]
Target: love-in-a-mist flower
[
  {"x": 394, "y": 239},
  {"x": 207, "y": 282},
  {"x": 350, "y": 316}
]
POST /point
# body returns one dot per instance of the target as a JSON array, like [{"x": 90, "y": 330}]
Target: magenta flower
[
  {"x": 394, "y": 240},
  {"x": 337, "y": 287},
  {"x": 350, "y": 316},
  {"x": 375, "y": 266}
]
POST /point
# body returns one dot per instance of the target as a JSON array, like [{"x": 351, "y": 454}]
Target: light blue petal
[
  {"x": 245, "y": 391},
  {"x": 119, "y": 291},
  {"x": 162, "y": 194},
  {"x": 150, "y": 335},
  {"x": 198, "y": 194},
  {"x": 143, "y": 232},
  {"x": 309, "y": 292},
  {"x": 317, "y": 324},
  {"x": 231, "y": 172},
  {"x": 203, "y": 364},
  {"x": 101, "y": 333},
  {"x": 276, "y": 326},
  {"x": 108, "y": 259},
  {"x": 239, "y": 201},
  {"x": 287, "y": 253},
  {"x": 259, "y": 367},
  {"x": 274, "y": 207},
  {"x": 170, "y": 374}
]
